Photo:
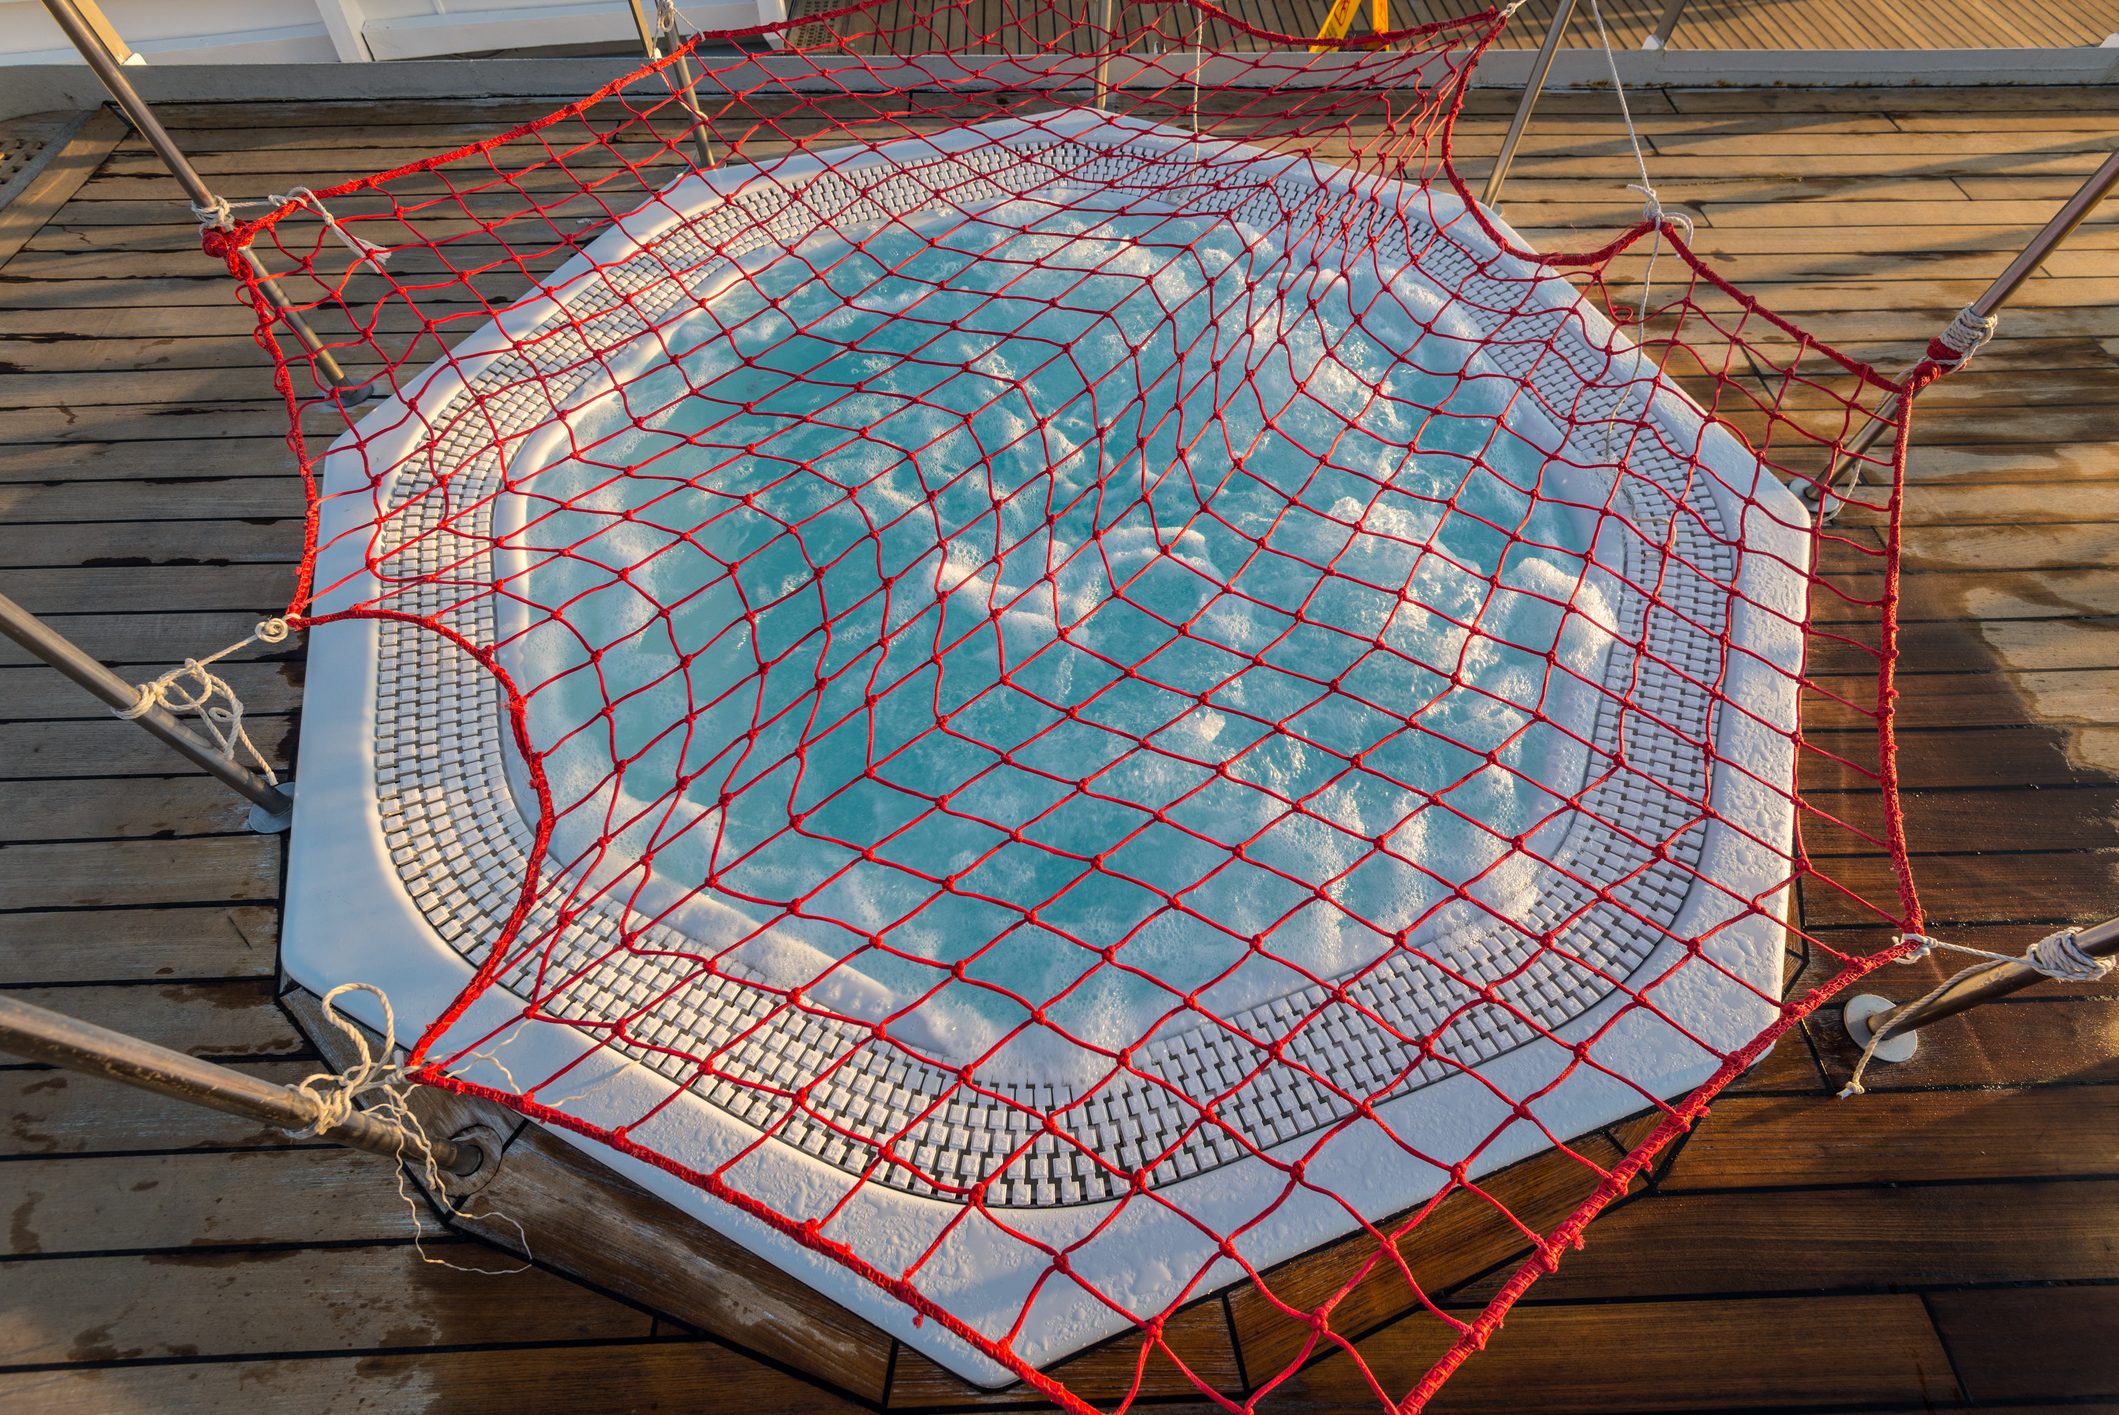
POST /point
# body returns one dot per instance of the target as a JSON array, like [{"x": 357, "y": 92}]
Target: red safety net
[{"x": 1144, "y": 697}]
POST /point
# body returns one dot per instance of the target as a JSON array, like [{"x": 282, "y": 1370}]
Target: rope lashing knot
[
  {"x": 192, "y": 688},
  {"x": 377, "y": 256},
  {"x": 216, "y": 215},
  {"x": 2058, "y": 956},
  {"x": 336, "y": 1093},
  {"x": 377, "y": 1077},
  {"x": 1967, "y": 335},
  {"x": 1652, "y": 209}
]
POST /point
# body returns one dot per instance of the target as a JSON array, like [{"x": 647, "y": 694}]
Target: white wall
[{"x": 309, "y": 31}]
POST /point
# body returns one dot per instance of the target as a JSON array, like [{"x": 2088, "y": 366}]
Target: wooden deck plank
[
  {"x": 198, "y": 1302},
  {"x": 657, "y": 1377}
]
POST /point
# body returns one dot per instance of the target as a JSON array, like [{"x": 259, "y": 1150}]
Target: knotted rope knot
[
  {"x": 377, "y": 1075},
  {"x": 1652, "y": 209},
  {"x": 375, "y": 255},
  {"x": 216, "y": 215},
  {"x": 1967, "y": 334},
  {"x": 336, "y": 1093},
  {"x": 193, "y": 688},
  {"x": 2059, "y": 956}
]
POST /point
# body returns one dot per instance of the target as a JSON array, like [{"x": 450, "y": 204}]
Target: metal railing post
[
  {"x": 1563, "y": 11},
  {"x": 1103, "y": 55},
  {"x": 1828, "y": 495},
  {"x": 1666, "y": 25},
  {"x": 274, "y": 805},
  {"x": 663, "y": 36},
  {"x": 39, "y": 1034},
  {"x": 83, "y": 36},
  {"x": 1868, "y": 1015}
]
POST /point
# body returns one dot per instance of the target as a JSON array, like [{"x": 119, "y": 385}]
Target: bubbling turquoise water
[{"x": 1012, "y": 627}]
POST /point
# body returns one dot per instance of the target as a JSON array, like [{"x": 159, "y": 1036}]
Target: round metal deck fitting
[
  {"x": 1863, "y": 1008},
  {"x": 266, "y": 822}
]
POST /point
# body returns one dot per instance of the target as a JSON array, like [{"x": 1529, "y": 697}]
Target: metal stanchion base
[
  {"x": 1860, "y": 1010},
  {"x": 266, "y": 823}
]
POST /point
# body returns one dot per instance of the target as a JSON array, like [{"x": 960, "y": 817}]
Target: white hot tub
[{"x": 1055, "y": 619}]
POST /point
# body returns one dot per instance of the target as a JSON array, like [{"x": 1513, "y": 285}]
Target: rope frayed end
[{"x": 377, "y": 1078}]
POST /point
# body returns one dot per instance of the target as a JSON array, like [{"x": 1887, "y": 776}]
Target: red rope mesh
[{"x": 989, "y": 612}]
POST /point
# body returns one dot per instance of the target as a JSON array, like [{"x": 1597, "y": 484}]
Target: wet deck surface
[{"x": 1952, "y": 1240}]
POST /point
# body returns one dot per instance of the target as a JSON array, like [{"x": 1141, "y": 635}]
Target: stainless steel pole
[
  {"x": 1997, "y": 979},
  {"x": 660, "y": 37},
  {"x": 2073, "y": 214},
  {"x": 1562, "y": 12},
  {"x": 63, "y": 654},
  {"x": 647, "y": 31},
  {"x": 112, "y": 74},
  {"x": 1103, "y": 55},
  {"x": 39, "y": 1034},
  {"x": 1666, "y": 25}
]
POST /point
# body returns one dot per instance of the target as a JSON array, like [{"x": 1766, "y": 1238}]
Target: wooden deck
[
  {"x": 1950, "y": 1241},
  {"x": 1706, "y": 24}
]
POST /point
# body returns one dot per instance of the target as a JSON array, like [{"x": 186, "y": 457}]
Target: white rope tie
[
  {"x": 215, "y": 215},
  {"x": 1967, "y": 335},
  {"x": 1652, "y": 209},
  {"x": 379, "y": 1080},
  {"x": 2058, "y": 956},
  {"x": 193, "y": 689},
  {"x": 368, "y": 251}
]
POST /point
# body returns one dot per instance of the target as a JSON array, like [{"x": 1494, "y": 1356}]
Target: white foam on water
[{"x": 913, "y": 502}]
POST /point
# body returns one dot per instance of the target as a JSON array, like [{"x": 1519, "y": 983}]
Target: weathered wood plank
[
  {"x": 140, "y": 945},
  {"x": 2032, "y": 1343},
  {"x": 1639, "y": 1356},
  {"x": 151, "y": 639},
  {"x": 106, "y": 873},
  {"x": 1984, "y": 1134},
  {"x": 128, "y": 1203},
  {"x": 661, "y": 1377},
  {"x": 83, "y": 152},
  {"x": 35, "y": 692},
  {"x": 238, "y": 1303},
  {"x": 48, "y": 1112},
  {"x": 237, "y": 1017},
  {"x": 1842, "y": 1239},
  {"x": 106, "y": 747}
]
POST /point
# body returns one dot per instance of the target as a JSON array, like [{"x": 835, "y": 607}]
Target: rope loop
[
  {"x": 193, "y": 688},
  {"x": 378, "y": 1078},
  {"x": 377, "y": 256}
]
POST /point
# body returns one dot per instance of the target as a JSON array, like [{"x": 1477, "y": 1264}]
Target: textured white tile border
[{"x": 407, "y": 838}]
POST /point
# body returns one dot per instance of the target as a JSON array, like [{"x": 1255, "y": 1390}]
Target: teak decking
[
  {"x": 1951, "y": 1239},
  {"x": 1705, "y": 24}
]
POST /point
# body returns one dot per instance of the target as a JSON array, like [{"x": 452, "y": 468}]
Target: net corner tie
[
  {"x": 366, "y": 250},
  {"x": 377, "y": 1077},
  {"x": 1968, "y": 333}
]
